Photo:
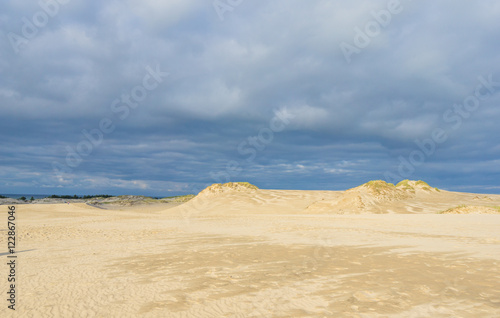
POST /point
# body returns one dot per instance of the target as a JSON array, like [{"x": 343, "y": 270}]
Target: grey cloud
[{"x": 226, "y": 80}]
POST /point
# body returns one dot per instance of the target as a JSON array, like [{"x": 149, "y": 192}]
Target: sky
[{"x": 164, "y": 98}]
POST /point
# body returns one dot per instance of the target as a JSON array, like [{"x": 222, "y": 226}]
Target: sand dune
[
  {"x": 472, "y": 209},
  {"x": 238, "y": 251},
  {"x": 381, "y": 197},
  {"x": 235, "y": 198},
  {"x": 373, "y": 197}
]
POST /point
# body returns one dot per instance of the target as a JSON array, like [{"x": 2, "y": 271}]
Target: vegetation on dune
[
  {"x": 379, "y": 183},
  {"x": 383, "y": 190},
  {"x": 180, "y": 198},
  {"x": 452, "y": 209},
  {"x": 233, "y": 185},
  {"x": 217, "y": 188},
  {"x": 2, "y": 197},
  {"x": 379, "y": 186},
  {"x": 243, "y": 184},
  {"x": 409, "y": 185},
  {"x": 405, "y": 184},
  {"x": 466, "y": 209},
  {"x": 177, "y": 197},
  {"x": 422, "y": 183},
  {"x": 141, "y": 199}
]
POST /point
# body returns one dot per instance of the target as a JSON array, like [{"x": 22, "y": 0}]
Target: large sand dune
[
  {"x": 238, "y": 251},
  {"x": 372, "y": 197}
]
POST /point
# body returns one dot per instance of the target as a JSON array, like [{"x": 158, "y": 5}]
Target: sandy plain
[{"x": 258, "y": 253}]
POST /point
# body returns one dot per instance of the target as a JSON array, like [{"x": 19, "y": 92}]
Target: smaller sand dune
[
  {"x": 218, "y": 188},
  {"x": 243, "y": 197},
  {"x": 482, "y": 198},
  {"x": 472, "y": 209},
  {"x": 373, "y": 197}
]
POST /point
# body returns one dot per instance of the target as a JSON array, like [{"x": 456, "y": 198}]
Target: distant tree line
[
  {"x": 21, "y": 198},
  {"x": 69, "y": 197}
]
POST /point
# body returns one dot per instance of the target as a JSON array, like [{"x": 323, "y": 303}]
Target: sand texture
[{"x": 238, "y": 251}]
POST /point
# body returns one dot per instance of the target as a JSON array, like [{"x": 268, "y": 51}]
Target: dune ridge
[
  {"x": 218, "y": 188},
  {"x": 373, "y": 197}
]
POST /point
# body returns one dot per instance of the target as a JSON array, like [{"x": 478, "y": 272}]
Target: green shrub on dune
[
  {"x": 405, "y": 185},
  {"x": 379, "y": 186},
  {"x": 410, "y": 185}
]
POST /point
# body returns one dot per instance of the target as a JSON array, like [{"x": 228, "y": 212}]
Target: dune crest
[
  {"x": 372, "y": 197},
  {"x": 379, "y": 190},
  {"x": 413, "y": 186},
  {"x": 218, "y": 188}
]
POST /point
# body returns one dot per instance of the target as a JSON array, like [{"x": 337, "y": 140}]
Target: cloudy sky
[{"x": 164, "y": 97}]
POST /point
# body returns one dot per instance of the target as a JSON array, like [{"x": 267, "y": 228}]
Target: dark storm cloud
[{"x": 353, "y": 119}]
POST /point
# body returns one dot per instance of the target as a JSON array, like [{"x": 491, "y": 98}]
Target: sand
[{"x": 258, "y": 253}]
